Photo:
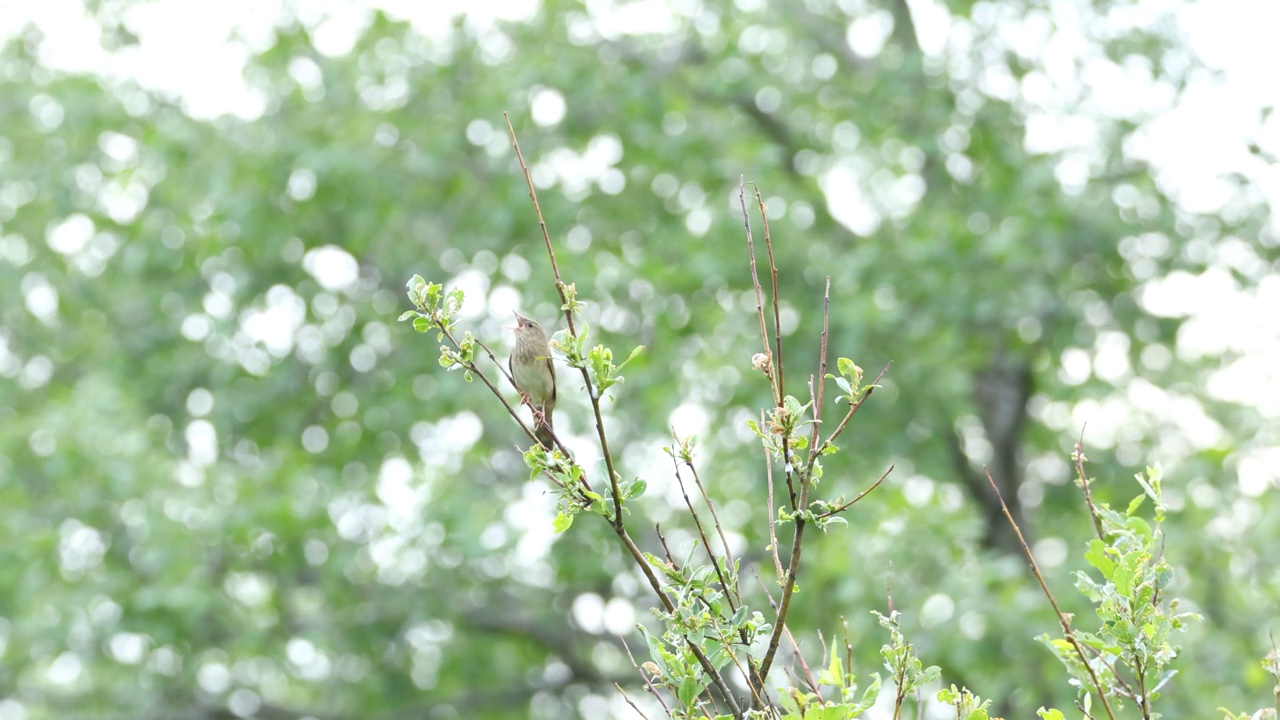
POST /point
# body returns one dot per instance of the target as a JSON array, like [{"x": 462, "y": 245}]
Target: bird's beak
[{"x": 519, "y": 321}]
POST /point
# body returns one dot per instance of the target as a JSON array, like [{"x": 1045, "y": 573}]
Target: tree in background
[{"x": 235, "y": 486}]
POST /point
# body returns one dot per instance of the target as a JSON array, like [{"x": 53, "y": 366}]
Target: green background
[{"x": 204, "y": 518}]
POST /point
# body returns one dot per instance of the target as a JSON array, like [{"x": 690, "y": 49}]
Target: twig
[
  {"x": 773, "y": 273},
  {"x": 852, "y": 410},
  {"x": 773, "y": 531},
  {"x": 755, "y": 282},
  {"x": 860, "y": 495},
  {"x": 724, "y": 542},
  {"x": 788, "y": 588},
  {"x": 1062, "y": 618},
  {"x": 899, "y": 693},
  {"x": 808, "y": 674},
  {"x": 775, "y": 374},
  {"x": 717, "y": 679},
  {"x": 648, "y": 684},
  {"x": 592, "y": 391},
  {"x": 848, "y": 646},
  {"x": 706, "y": 544},
  {"x": 630, "y": 702},
  {"x": 1084, "y": 484},
  {"x": 822, "y": 373},
  {"x": 619, "y": 528}
]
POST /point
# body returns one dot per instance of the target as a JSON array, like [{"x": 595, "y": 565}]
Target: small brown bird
[{"x": 535, "y": 375}]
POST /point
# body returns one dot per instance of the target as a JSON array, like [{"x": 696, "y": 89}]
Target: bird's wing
[{"x": 551, "y": 368}]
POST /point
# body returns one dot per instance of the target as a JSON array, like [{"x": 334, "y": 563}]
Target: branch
[
  {"x": 849, "y": 415},
  {"x": 1062, "y": 617},
  {"x": 592, "y": 392},
  {"x": 616, "y": 522},
  {"x": 1078, "y": 456},
  {"x": 822, "y": 375},
  {"x": 861, "y": 495}
]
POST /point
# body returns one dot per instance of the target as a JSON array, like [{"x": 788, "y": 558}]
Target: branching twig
[
  {"x": 616, "y": 522},
  {"x": 592, "y": 391},
  {"x": 630, "y": 702},
  {"x": 789, "y": 585},
  {"x": 706, "y": 544},
  {"x": 852, "y": 410},
  {"x": 773, "y": 276},
  {"x": 724, "y": 542}
]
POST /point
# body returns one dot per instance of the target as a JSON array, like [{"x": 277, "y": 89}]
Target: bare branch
[
  {"x": 1078, "y": 456},
  {"x": 860, "y": 495}
]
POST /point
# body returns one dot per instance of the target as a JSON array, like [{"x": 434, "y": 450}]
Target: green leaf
[
  {"x": 422, "y": 324},
  {"x": 1134, "y": 504},
  {"x": 1096, "y": 555},
  {"x": 869, "y": 696},
  {"x": 846, "y": 366},
  {"x": 406, "y": 315},
  {"x": 562, "y": 522},
  {"x": 632, "y": 356},
  {"x": 688, "y": 691}
]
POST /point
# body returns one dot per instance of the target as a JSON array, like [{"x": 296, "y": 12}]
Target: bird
[{"x": 535, "y": 375}]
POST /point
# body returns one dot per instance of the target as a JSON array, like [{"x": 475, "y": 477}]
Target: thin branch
[
  {"x": 854, "y": 408},
  {"x": 648, "y": 684},
  {"x": 1079, "y": 457},
  {"x": 630, "y": 702},
  {"x": 822, "y": 372},
  {"x": 592, "y": 390},
  {"x": 617, "y": 522},
  {"x": 706, "y": 544},
  {"x": 788, "y": 463},
  {"x": 773, "y": 530},
  {"x": 788, "y": 588},
  {"x": 808, "y": 674},
  {"x": 773, "y": 274},
  {"x": 848, "y": 646},
  {"x": 724, "y": 542},
  {"x": 1062, "y": 617},
  {"x": 755, "y": 282},
  {"x": 899, "y": 693},
  {"x": 754, "y": 684},
  {"x": 860, "y": 495},
  {"x": 710, "y": 669}
]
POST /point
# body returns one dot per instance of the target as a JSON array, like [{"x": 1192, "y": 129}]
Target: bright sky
[{"x": 196, "y": 51}]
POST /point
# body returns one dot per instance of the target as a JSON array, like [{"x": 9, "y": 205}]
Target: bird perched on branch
[{"x": 535, "y": 375}]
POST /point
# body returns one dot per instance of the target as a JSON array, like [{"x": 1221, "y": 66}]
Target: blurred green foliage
[{"x": 234, "y": 486}]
